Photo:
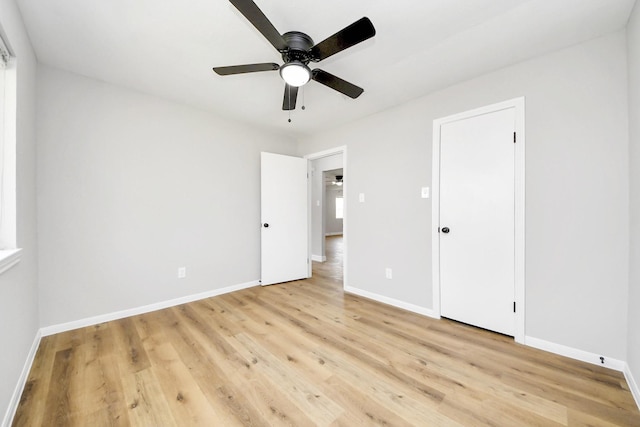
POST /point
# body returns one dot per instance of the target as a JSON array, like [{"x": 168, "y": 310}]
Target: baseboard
[
  {"x": 391, "y": 301},
  {"x": 339, "y": 233},
  {"x": 90, "y": 321},
  {"x": 633, "y": 385},
  {"x": 22, "y": 381},
  {"x": 575, "y": 353},
  {"x": 318, "y": 258}
]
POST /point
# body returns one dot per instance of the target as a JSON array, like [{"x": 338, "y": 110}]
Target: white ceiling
[{"x": 167, "y": 48}]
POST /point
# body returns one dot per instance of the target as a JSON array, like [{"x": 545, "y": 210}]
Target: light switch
[
  {"x": 425, "y": 192},
  {"x": 361, "y": 197},
  {"x": 317, "y": 202}
]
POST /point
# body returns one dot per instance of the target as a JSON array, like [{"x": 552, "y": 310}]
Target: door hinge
[
  {"x": 514, "y": 137},
  {"x": 514, "y": 306}
]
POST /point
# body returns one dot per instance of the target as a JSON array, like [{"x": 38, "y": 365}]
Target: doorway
[
  {"x": 333, "y": 225},
  {"x": 328, "y": 214},
  {"x": 478, "y": 217}
]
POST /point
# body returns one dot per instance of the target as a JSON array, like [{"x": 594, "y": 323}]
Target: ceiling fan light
[{"x": 295, "y": 73}]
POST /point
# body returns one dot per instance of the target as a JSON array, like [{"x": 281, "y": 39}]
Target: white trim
[
  {"x": 8, "y": 129},
  {"x": 5, "y": 53},
  {"x": 519, "y": 211},
  {"x": 320, "y": 154},
  {"x": 338, "y": 233},
  {"x": 318, "y": 258},
  {"x": 22, "y": 381},
  {"x": 633, "y": 385},
  {"x": 326, "y": 153},
  {"x": 575, "y": 353},
  {"x": 391, "y": 301},
  {"x": 9, "y": 258},
  {"x": 90, "y": 321}
]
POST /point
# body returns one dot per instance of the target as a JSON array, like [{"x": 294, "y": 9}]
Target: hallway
[{"x": 333, "y": 268}]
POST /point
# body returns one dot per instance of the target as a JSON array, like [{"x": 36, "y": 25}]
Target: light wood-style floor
[{"x": 305, "y": 353}]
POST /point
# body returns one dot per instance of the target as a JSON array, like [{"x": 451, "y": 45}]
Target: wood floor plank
[
  {"x": 300, "y": 389},
  {"x": 306, "y": 353},
  {"x": 36, "y": 388},
  {"x": 57, "y": 406},
  {"x": 294, "y": 349},
  {"x": 145, "y": 400},
  {"x": 182, "y": 393},
  {"x": 360, "y": 409},
  {"x": 347, "y": 345},
  {"x": 417, "y": 409},
  {"x": 129, "y": 345},
  {"x": 210, "y": 368},
  {"x": 103, "y": 393},
  {"x": 180, "y": 375}
]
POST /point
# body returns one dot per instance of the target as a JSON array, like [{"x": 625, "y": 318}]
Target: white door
[
  {"x": 284, "y": 237},
  {"x": 477, "y": 226}
]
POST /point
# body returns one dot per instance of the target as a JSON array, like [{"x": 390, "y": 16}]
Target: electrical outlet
[
  {"x": 182, "y": 272},
  {"x": 361, "y": 197},
  {"x": 425, "y": 192},
  {"x": 388, "y": 273}
]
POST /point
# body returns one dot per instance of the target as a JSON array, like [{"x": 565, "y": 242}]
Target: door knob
[
  {"x": 266, "y": 225},
  {"x": 445, "y": 230}
]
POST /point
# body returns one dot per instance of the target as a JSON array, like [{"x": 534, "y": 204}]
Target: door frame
[
  {"x": 519, "y": 206},
  {"x": 314, "y": 156}
]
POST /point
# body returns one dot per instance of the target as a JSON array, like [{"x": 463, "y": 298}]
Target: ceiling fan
[{"x": 297, "y": 50}]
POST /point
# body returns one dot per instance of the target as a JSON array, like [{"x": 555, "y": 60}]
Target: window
[
  {"x": 339, "y": 207},
  {"x": 9, "y": 255}
]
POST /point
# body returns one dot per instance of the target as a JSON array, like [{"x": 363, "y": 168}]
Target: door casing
[{"x": 519, "y": 212}]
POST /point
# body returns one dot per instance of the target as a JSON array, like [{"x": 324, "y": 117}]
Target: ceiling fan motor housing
[{"x": 298, "y": 46}]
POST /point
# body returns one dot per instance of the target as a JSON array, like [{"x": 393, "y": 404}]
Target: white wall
[
  {"x": 130, "y": 188},
  {"x": 577, "y": 217},
  {"x": 332, "y": 224},
  {"x": 318, "y": 166},
  {"x": 633, "y": 53},
  {"x": 18, "y": 289}
]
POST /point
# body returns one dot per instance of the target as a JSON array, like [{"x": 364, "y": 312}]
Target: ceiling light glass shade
[{"x": 295, "y": 73}]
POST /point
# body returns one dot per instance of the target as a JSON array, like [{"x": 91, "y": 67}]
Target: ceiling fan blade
[
  {"x": 249, "y": 68},
  {"x": 253, "y": 13},
  {"x": 290, "y": 97},
  {"x": 336, "y": 83},
  {"x": 355, "y": 33}
]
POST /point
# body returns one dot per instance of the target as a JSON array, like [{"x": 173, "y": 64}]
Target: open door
[{"x": 284, "y": 214}]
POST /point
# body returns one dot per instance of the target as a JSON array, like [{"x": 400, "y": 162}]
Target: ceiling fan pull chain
[
  {"x": 289, "y": 96},
  {"x": 303, "y": 97}
]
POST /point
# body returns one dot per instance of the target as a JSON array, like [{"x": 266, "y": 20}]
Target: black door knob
[
  {"x": 445, "y": 230},
  {"x": 266, "y": 225}
]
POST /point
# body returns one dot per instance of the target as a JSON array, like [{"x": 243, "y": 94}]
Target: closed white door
[
  {"x": 284, "y": 236},
  {"x": 477, "y": 245}
]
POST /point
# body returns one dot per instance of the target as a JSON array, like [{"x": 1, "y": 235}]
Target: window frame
[{"x": 9, "y": 252}]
